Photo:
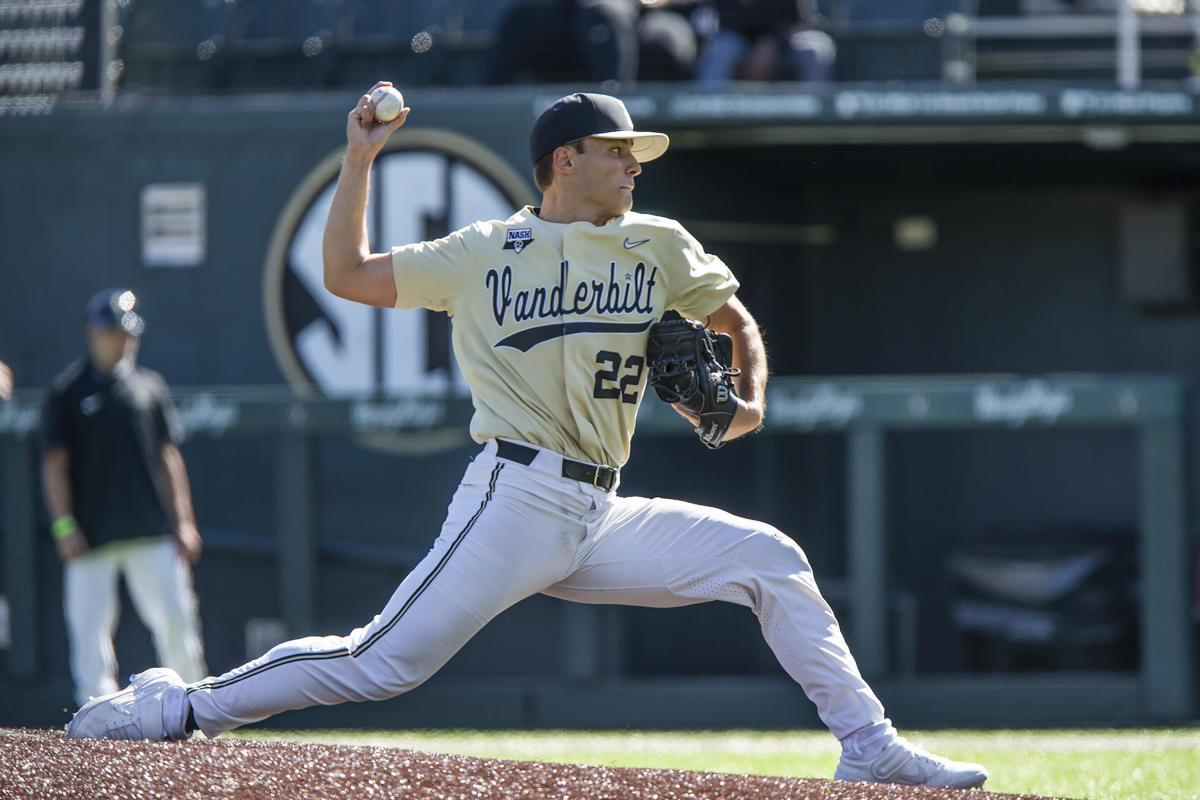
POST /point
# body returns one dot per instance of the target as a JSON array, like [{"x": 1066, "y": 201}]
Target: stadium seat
[
  {"x": 477, "y": 24},
  {"x": 439, "y": 42},
  {"x": 892, "y": 39},
  {"x": 375, "y": 40},
  {"x": 395, "y": 20},
  {"x": 283, "y": 22},
  {"x": 896, "y": 10},
  {"x": 168, "y": 22},
  {"x": 1079, "y": 47},
  {"x": 481, "y": 16},
  {"x": 278, "y": 44},
  {"x": 173, "y": 45}
]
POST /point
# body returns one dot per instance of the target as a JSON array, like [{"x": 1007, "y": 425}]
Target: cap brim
[{"x": 647, "y": 145}]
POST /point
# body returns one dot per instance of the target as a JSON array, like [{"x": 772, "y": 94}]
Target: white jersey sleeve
[
  {"x": 431, "y": 274},
  {"x": 708, "y": 282}
]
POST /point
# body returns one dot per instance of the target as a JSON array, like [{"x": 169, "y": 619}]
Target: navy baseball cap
[
  {"x": 580, "y": 115},
  {"x": 113, "y": 308}
]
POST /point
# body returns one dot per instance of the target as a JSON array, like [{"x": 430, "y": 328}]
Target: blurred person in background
[
  {"x": 553, "y": 41},
  {"x": 764, "y": 40},
  {"x": 565, "y": 41},
  {"x": 6, "y": 381},
  {"x": 118, "y": 494},
  {"x": 667, "y": 40}
]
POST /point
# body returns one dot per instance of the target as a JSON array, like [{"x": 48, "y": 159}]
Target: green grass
[{"x": 1157, "y": 764}]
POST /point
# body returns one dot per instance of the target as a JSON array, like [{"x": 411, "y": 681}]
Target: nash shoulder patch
[{"x": 518, "y": 239}]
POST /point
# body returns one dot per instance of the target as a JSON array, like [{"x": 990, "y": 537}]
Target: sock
[
  {"x": 175, "y": 710},
  {"x": 868, "y": 742}
]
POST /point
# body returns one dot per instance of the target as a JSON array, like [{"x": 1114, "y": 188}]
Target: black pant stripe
[
  {"x": 319, "y": 656},
  {"x": 342, "y": 652},
  {"x": 362, "y": 648}
]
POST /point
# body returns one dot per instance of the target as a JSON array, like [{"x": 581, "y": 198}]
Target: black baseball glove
[{"x": 689, "y": 368}]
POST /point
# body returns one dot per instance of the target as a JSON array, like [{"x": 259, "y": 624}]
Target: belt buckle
[{"x": 596, "y": 476}]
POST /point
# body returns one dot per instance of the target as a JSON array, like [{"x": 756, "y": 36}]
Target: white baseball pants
[
  {"x": 160, "y": 585},
  {"x": 513, "y": 531}
]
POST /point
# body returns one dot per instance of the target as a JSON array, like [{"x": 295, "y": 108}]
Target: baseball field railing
[{"x": 863, "y": 409}]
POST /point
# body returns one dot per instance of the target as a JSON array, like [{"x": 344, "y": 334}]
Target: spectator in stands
[
  {"x": 6, "y": 381},
  {"x": 565, "y": 41},
  {"x": 558, "y": 41},
  {"x": 118, "y": 492},
  {"x": 667, "y": 40},
  {"x": 762, "y": 40}
]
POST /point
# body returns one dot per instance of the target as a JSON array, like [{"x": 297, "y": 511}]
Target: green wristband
[{"x": 63, "y": 527}]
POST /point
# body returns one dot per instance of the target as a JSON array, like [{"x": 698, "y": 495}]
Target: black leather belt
[{"x": 594, "y": 474}]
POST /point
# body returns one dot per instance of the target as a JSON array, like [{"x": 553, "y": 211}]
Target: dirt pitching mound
[{"x": 41, "y": 765}]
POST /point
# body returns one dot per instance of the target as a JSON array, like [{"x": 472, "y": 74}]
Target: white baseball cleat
[
  {"x": 153, "y": 706},
  {"x": 904, "y": 763}
]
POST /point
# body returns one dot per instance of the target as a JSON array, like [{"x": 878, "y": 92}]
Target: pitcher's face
[{"x": 607, "y": 169}]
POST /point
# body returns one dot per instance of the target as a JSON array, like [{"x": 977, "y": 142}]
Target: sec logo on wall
[{"x": 425, "y": 184}]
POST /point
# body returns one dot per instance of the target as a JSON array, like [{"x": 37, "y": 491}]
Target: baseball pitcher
[{"x": 558, "y": 326}]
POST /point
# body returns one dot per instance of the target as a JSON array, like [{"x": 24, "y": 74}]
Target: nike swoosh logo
[{"x": 630, "y": 245}]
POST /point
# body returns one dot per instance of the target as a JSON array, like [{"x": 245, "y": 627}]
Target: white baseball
[{"x": 387, "y": 102}]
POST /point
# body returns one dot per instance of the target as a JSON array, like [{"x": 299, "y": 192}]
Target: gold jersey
[{"x": 550, "y": 320}]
